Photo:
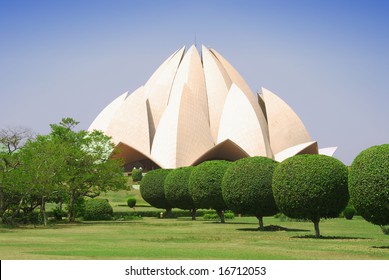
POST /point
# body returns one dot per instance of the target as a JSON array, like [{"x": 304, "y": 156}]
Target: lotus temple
[{"x": 197, "y": 107}]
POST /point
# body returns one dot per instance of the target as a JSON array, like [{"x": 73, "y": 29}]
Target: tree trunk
[
  {"x": 317, "y": 230},
  {"x": 43, "y": 211},
  {"x": 72, "y": 214},
  {"x": 260, "y": 221},
  {"x": 221, "y": 215},
  {"x": 19, "y": 206},
  {"x": 193, "y": 212},
  {"x": 169, "y": 213}
]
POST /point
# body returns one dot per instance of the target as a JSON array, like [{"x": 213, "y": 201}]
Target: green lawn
[{"x": 152, "y": 238}]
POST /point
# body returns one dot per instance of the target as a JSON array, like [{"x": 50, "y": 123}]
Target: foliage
[
  {"x": 22, "y": 218},
  {"x": 369, "y": 184},
  {"x": 58, "y": 213},
  {"x": 152, "y": 188},
  {"x": 349, "y": 212},
  {"x": 11, "y": 140},
  {"x": 385, "y": 230},
  {"x": 213, "y": 215},
  {"x": 131, "y": 201},
  {"x": 205, "y": 184},
  {"x": 247, "y": 187},
  {"x": 97, "y": 209},
  {"x": 63, "y": 166},
  {"x": 177, "y": 189},
  {"x": 40, "y": 173},
  {"x": 311, "y": 187},
  {"x": 137, "y": 175},
  {"x": 89, "y": 168}
]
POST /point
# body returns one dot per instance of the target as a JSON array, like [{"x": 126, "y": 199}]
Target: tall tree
[
  {"x": 42, "y": 169},
  {"x": 89, "y": 168},
  {"x": 11, "y": 140}
]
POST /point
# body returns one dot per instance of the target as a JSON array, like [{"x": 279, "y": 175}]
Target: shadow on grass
[
  {"x": 272, "y": 228},
  {"x": 311, "y": 236},
  {"x": 380, "y": 247}
]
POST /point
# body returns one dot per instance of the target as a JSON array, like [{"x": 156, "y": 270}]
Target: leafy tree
[
  {"x": 64, "y": 165},
  {"x": 369, "y": 184},
  {"x": 89, "y": 168},
  {"x": 152, "y": 189},
  {"x": 11, "y": 140},
  {"x": 41, "y": 170},
  {"x": 311, "y": 187},
  {"x": 205, "y": 186},
  {"x": 247, "y": 187},
  {"x": 177, "y": 189}
]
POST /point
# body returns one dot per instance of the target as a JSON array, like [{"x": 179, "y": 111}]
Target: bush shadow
[
  {"x": 311, "y": 236},
  {"x": 273, "y": 228},
  {"x": 380, "y": 247}
]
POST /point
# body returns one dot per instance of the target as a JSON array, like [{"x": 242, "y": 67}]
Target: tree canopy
[
  {"x": 311, "y": 187},
  {"x": 205, "y": 186},
  {"x": 177, "y": 189},
  {"x": 63, "y": 166},
  {"x": 247, "y": 187},
  {"x": 153, "y": 191},
  {"x": 369, "y": 184}
]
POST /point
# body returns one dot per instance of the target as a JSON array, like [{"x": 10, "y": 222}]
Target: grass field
[{"x": 152, "y": 238}]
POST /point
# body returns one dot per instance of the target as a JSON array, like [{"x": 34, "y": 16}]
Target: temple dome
[{"x": 196, "y": 108}]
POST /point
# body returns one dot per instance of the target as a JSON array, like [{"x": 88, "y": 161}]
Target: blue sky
[{"x": 329, "y": 59}]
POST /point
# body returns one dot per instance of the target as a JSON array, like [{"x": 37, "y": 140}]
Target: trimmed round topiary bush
[
  {"x": 97, "y": 209},
  {"x": 369, "y": 184},
  {"x": 153, "y": 191},
  {"x": 131, "y": 201},
  {"x": 311, "y": 187},
  {"x": 349, "y": 212},
  {"x": 247, "y": 187},
  {"x": 177, "y": 189},
  {"x": 137, "y": 174},
  {"x": 205, "y": 186}
]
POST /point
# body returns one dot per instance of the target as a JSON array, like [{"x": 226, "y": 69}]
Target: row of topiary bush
[{"x": 302, "y": 187}]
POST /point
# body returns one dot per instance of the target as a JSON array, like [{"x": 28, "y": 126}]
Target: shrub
[
  {"x": 177, "y": 189},
  {"x": 58, "y": 213},
  {"x": 152, "y": 189},
  {"x": 205, "y": 186},
  {"x": 311, "y": 187},
  {"x": 97, "y": 209},
  {"x": 247, "y": 187},
  {"x": 369, "y": 184},
  {"x": 213, "y": 215},
  {"x": 137, "y": 175},
  {"x": 349, "y": 212},
  {"x": 131, "y": 201}
]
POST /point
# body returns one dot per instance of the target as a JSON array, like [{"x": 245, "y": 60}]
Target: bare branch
[{"x": 14, "y": 138}]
